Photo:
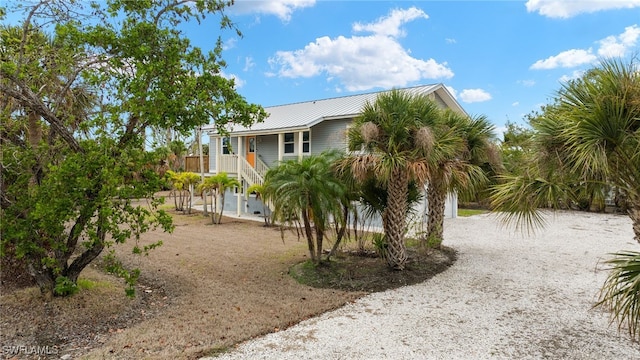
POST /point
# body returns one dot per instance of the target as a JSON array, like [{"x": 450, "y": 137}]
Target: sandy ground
[{"x": 509, "y": 296}]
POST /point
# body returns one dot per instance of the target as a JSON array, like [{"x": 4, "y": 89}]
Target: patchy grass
[
  {"x": 206, "y": 289},
  {"x": 471, "y": 212}
]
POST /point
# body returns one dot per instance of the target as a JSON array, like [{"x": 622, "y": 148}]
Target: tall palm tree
[
  {"x": 590, "y": 133},
  {"x": 464, "y": 143},
  {"x": 306, "y": 191},
  {"x": 393, "y": 134}
]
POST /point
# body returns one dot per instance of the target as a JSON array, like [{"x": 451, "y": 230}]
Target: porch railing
[
  {"x": 261, "y": 167},
  {"x": 228, "y": 164},
  {"x": 249, "y": 174}
]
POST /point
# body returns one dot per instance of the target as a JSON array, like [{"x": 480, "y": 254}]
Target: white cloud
[
  {"x": 283, "y": 9},
  {"x": 391, "y": 25},
  {"x": 248, "y": 63},
  {"x": 566, "y": 59},
  {"x": 617, "y": 46},
  {"x": 564, "y": 9},
  {"x": 363, "y": 62},
  {"x": 237, "y": 81},
  {"x": 450, "y": 41},
  {"x": 229, "y": 44},
  {"x": 611, "y": 46},
  {"x": 517, "y": 103},
  {"x": 527, "y": 83},
  {"x": 574, "y": 75},
  {"x": 474, "y": 95},
  {"x": 500, "y": 130}
]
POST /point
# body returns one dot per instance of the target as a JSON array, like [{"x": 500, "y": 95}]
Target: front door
[{"x": 251, "y": 150}]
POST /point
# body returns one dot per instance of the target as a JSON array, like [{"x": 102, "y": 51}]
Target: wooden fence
[{"x": 192, "y": 163}]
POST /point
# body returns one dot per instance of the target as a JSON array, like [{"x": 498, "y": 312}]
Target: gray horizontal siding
[
  {"x": 330, "y": 134},
  {"x": 267, "y": 149}
]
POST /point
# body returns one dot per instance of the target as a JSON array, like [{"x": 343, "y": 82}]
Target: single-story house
[{"x": 293, "y": 131}]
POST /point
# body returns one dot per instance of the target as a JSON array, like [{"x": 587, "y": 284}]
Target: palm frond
[{"x": 620, "y": 293}]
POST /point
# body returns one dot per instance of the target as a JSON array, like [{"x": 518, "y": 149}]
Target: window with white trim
[
  {"x": 226, "y": 146},
  {"x": 306, "y": 142},
  {"x": 289, "y": 143}
]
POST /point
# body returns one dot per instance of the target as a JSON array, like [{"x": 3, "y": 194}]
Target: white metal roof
[{"x": 303, "y": 115}]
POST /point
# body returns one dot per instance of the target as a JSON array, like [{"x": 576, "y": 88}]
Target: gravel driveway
[{"x": 509, "y": 296}]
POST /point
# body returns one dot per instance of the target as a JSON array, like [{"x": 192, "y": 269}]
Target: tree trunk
[
  {"x": 34, "y": 133},
  {"x": 44, "y": 278},
  {"x": 319, "y": 240},
  {"x": 214, "y": 201},
  {"x": 214, "y": 207},
  {"x": 436, "y": 196},
  {"x": 634, "y": 213},
  {"x": 394, "y": 218},
  {"x": 341, "y": 231},
  {"x": 308, "y": 234},
  {"x": 221, "y": 206}
]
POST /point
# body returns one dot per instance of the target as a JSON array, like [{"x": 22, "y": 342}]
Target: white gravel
[{"x": 509, "y": 296}]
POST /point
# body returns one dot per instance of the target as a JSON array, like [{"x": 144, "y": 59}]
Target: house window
[
  {"x": 240, "y": 189},
  {"x": 226, "y": 146},
  {"x": 306, "y": 142},
  {"x": 289, "y": 146}
]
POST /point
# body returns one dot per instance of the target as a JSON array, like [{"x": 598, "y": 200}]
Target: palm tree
[
  {"x": 393, "y": 134},
  {"x": 589, "y": 136},
  {"x": 306, "y": 191},
  {"x": 221, "y": 182},
  {"x": 210, "y": 185},
  {"x": 464, "y": 143},
  {"x": 258, "y": 189},
  {"x": 190, "y": 180}
]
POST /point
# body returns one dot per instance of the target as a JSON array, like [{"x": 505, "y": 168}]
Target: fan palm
[
  {"x": 462, "y": 145},
  {"x": 589, "y": 136},
  {"x": 393, "y": 133}
]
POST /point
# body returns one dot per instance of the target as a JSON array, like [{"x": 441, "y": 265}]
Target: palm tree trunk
[
  {"x": 319, "y": 240},
  {"x": 221, "y": 206},
  {"x": 634, "y": 213},
  {"x": 394, "y": 218},
  {"x": 214, "y": 206},
  {"x": 309, "y": 234},
  {"x": 436, "y": 196},
  {"x": 340, "y": 231}
]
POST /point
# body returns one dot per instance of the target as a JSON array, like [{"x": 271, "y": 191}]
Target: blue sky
[{"x": 502, "y": 59}]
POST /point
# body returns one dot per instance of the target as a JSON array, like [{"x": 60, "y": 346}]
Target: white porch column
[
  {"x": 300, "y": 137},
  {"x": 217, "y": 149},
  {"x": 280, "y": 146},
  {"x": 240, "y": 152}
]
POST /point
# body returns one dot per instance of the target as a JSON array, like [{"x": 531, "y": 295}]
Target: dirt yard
[{"x": 207, "y": 288}]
